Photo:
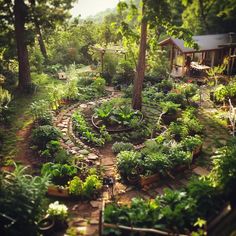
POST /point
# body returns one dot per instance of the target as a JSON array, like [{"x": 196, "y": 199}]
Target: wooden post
[
  {"x": 228, "y": 66},
  {"x": 233, "y": 58},
  {"x": 183, "y": 64},
  {"x": 213, "y": 58},
  {"x": 102, "y": 60},
  {"x": 171, "y": 57}
]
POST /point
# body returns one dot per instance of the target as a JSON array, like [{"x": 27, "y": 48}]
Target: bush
[
  {"x": 128, "y": 163},
  {"x": 22, "y": 198},
  {"x": 99, "y": 85},
  {"x": 85, "y": 189},
  {"x": 43, "y": 134},
  {"x": 121, "y": 146},
  {"x": 60, "y": 173},
  {"x": 57, "y": 211}
]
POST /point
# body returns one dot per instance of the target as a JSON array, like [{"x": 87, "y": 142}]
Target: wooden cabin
[{"x": 213, "y": 49}]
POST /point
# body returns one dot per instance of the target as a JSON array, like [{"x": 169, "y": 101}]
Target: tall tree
[{"x": 20, "y": 14}]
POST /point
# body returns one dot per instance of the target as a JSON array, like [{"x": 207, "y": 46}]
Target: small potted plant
[{"x": 59, "y": 213}]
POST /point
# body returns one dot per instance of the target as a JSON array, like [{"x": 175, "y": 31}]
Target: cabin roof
[{"x": 205, "y": 42}]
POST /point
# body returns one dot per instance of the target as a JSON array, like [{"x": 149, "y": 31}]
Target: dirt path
[{"x": 24, "y": 153}]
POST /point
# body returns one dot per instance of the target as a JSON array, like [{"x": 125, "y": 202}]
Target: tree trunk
[
  {"x": 40, "y": 39},
  {"x": 38, "y": 32},
  {"x": 20, "y": 13},
  {"x": 140, "y": 70}
]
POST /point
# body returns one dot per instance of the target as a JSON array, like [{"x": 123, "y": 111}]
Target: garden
[{"x": 100, "y": 139}]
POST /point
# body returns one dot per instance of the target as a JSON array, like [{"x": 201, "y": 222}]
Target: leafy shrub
[
  {"x": 156, "y": 162},
  {"x": 176, "y": 98},
  {"x": 43, "y": 134},
  {"x": 169, "y": 107},
  {"x": 91, "y": 185},
  {"x": 116, "y": 111},
  {"x": 128, "y": 163},
  {"x": 76, "y": 186},
  {"x": 85, "y": 189},
  {"x": 208, "y": 198},
  {"x": 121, "y": 146},
  {"x": 165, "y": 86},
  {"x": 174, "y": 210},
  {"x": 60, "y": 173},
  {"x": 39, "y": 109},
  {"x": 178, "y": 130},
  {"x": 179, "y": 157},
  {"x": 221, "y": 93},
  {"x": 22, "y": 198},
  {"x": 99, "y": 85},
  {"x": 190, "y": 143}
]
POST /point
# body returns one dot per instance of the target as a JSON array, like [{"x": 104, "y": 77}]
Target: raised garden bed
[{"x": 98, "y": 123}]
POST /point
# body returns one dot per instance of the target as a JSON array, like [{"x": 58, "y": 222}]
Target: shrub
[
  {"x": 221, "y": 93},
  {"x": 128, "y": 163},
  {"x": 75, "y": 186},
  {"x": 91, "y": 185},
  {"x": 191, "y": 142},
  {"x": 39, "y": 108},
  {"x": 43, "y": 134},
  {"x": 156, "y": 162},
  {"x": 121, "y": 146},
  {"x": 178, "y": 130},
  {"x": 99, "y": 85},
  {"x": 60, "y": 173},
  {"x": 22, "y": 198}
]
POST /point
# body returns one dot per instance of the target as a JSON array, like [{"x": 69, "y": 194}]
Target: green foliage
[
  {"x": 190, "y": 143},
  {"x": 169, "y": 107},
  {"x": 208, "y": 198},
  {"x": 223, "y": 173},
  {"x": 22, "y": 198},
  {"x": 60, "y": 173},
  {"x": 85, "y": 189},
  {"x": 99, "y": 85},
  {"x": 75, "y": 186},
  {"x": 84, "y": 131},
  {"x": 39, "y": 109},
  {"x": 117, "y": 147},
  {"x": 117, "y": 112},
  {"x": 174, "y": 210},
  {"x": 157, "y": 162},
  {"x": 128, "y": 163},
  {"x": 43, "y": 134},
  {"x": 221, "y": 93},
  {"x": 178, "y": 130}
]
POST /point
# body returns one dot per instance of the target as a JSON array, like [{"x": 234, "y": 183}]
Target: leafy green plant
[
  {"x": 44, "y": 134},
  {"x": 190, "y": 143},
  {"x": 178, "y": 157},
  {"x": 156, "y": 162},
  {"x": 221, "y": 93},
  {"x": 178, "y": 130},
  {"x": 22, "y": 198},
  {"x": 169, "y": 107},
  {"x": 99, "y": 85},
  {"x": 128, "y": 163},
  {"x": 75, "y": 186},
  {"x": 91, "y": 185},
  {"x": 60, "y": 173},
  {"x": 84, "y": 131},
  {"x": 117, "y": 147}
]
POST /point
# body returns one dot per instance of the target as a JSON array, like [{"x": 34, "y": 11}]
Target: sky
[{"x": 91, "y": 7}]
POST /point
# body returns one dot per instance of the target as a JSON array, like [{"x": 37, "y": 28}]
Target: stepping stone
[
  {"x": 95, "y": 204},
  {"x": 91, "y": 103},
  {"x": 83, "y": 106},
  {"x": 84, "y": 152},
  {"x": 92, "y": 157},
  {"x": 200, "y": 171}
]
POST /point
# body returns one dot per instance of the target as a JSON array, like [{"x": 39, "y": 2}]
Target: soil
[{"x": 25, "y": 155}]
